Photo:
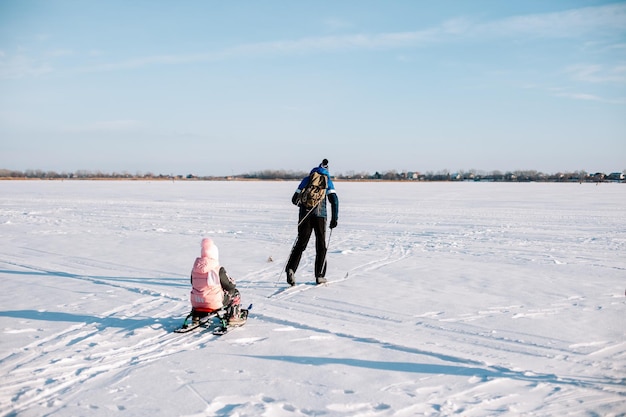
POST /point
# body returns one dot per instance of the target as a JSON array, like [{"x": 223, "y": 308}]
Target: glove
[
  {"x": 333, "y": 223},
  {"x": 294, "y": 199}
]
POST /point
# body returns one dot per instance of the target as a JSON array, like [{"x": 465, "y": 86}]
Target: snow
[{"x": 472, "y": 299}]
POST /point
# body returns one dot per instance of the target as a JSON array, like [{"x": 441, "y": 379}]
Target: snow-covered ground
[{"x": 472, "y": 299}]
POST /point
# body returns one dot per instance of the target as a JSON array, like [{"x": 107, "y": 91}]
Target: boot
[
  {"x": 235, "y": 318},
  {"x": 291, "y": 277}
]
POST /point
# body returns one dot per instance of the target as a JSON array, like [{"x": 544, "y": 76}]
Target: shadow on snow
[
  {"x": 100, "y": 322},
  {"x": 107, "y": 280},
  {"x": 465, "y": 367},
  {"x": 484, "y": 373}
]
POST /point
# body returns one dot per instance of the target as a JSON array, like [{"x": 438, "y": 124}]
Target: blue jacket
[{"x": 331, "y": 195}]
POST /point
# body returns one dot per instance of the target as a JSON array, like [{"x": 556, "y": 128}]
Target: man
[{"x": 313, "y": 220}]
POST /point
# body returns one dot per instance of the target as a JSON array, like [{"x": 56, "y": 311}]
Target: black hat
[{"x": 324, "y": 163}]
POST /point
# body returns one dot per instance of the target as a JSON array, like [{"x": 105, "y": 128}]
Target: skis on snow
[
  {"x": 206, "y": 322},
  {"x": 226, "y": 327},
  {"x": 291, "y": 290},
  {"x": 188, "y": 327}
]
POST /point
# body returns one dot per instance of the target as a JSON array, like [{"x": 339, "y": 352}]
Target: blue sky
[{"x": 219, "y": 88}]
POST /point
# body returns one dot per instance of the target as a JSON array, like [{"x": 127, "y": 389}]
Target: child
[{"x": 212, "y": 288}]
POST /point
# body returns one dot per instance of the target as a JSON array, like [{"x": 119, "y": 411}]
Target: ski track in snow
[{"x": 418, "y": 320}]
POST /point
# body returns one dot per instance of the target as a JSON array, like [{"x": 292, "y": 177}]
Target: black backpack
[{"x": 314, "y": 192}]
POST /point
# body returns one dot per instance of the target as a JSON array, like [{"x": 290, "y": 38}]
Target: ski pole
[
  {"x": 295, "y": 241},
  {"x": 307, "y": 214},
  {"x": 326, "y": 250},
  {"x": 285, "y": 264}
]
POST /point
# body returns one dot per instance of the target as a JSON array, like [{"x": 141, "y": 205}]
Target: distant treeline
[{"x": 472, "y": 175}]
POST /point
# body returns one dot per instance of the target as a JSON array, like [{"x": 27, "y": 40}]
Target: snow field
[{"x": 467, "y": 299}]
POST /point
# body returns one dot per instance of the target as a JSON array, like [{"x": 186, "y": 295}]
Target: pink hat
[{"x": 209, "y": 250}]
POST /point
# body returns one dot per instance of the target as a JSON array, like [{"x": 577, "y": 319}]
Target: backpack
[{"x": 314, "y": 192}]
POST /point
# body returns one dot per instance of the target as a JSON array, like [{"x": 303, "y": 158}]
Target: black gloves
[
  {"x": 294, "y": 199},
  {"x": 333, "y": 223}
]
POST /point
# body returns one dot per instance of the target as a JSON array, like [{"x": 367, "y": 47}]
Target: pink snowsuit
[{"x": 207, "y": 292}]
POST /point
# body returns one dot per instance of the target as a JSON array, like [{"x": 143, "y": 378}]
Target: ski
[
  {"x": 333, "y": 281},
  {"x": 224, "y": 328},
  {"x": 291, "y": 290},
  {"x": 221, "y": 330},
  {"x": 188, "y": 327},
  {"x": 206, "y": 322}
]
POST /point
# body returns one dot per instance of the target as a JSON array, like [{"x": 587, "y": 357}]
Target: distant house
[
  {"x": 413, "y": 175},
  {"x": 598, "y": 176},
  {"x": 615, "y": 176}
]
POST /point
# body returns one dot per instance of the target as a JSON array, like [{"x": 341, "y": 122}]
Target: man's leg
[
  {"x": 319, "y": 227},
  {"x": 304, "y": 234}
]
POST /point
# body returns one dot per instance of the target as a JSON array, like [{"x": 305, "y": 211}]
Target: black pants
[
  {"x": 310, "y": 224},
  {"x": 229, "y": 296}
]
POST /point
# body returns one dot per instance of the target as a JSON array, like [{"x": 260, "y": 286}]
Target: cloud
[
  {"x": 572, "y": 23},
  {"x": 107, "y": 126},
  {"x": 590, "y": 97},
  {"x": 568, "y": 93},
  {"x": 59, "y": 53},
  {"x": 21, "y": 66},
  {"x": 593, "y": 73},
  {"x": 147, "y": 61},
  {"x": 335, "y": 24},
  {"x": 579, "y": 96},
  {"x": 608, "y": 19},
  {"x": 604, "y": 19}
]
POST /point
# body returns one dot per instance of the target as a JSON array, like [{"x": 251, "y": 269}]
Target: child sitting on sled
[{"x": 212, "y": 288}]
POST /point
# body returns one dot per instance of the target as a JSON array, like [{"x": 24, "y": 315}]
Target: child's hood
[{"x": 209, "y": 249}]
